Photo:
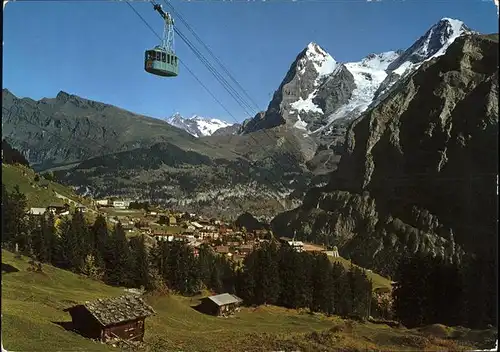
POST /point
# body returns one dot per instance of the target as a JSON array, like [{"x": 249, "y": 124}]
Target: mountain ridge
[{"x": 418, "y": 172}]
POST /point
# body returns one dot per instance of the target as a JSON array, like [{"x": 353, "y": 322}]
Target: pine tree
[
  {"x": 14, "y": 229},
  {"x": 340, "y": 289},
  {"x": 142, "y": 263},
  {"x": 411, "y": 292},
  {"x": 66, "y": 257},
  {"x": 267, "y": 284},
  {"x": 119, "y": 259},
  {"x": 100, "y": 236},
  {"x": 322, "y": 295},
  {"x": 215, "y": 281},
  {"x": 360, "y": 290},
  {"x": 206, "y": 263},
  {"x": 245, "y": 280}
]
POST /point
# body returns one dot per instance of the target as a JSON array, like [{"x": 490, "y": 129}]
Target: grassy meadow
[{"x": 32, "y": 304}]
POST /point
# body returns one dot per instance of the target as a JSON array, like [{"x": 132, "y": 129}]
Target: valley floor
[{"x": 32, "y": 305}]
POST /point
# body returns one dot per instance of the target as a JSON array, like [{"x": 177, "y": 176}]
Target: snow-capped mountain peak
[
  {"x": 323, "y": 62},
  {"x": 432, "y": 44},
  {"x": 317, "y": 90},
  {"x": 196, "y": 125}
]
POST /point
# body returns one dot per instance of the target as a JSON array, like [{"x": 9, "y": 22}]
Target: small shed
[
  {"x": 106, "y": 319},
  {"x": 220, "y": 305}
]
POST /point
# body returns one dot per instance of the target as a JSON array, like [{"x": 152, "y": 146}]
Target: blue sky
[{"x": 96, "y": 50}]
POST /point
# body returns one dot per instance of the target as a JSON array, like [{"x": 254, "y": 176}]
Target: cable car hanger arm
[{"x": 166, "y": 16}]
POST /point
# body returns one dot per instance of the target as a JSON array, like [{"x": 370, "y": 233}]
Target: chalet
[
  {"x": 220, "y": 305},
  {"x": 105, "y": 319},
  {"x": 103, "y": 202}
]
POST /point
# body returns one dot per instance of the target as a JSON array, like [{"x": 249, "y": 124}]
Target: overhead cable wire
[
  {"x": 252, "y": 163},
  {"x": 206, "y": 88},
  {"x": 294, "y": 150},
  {"x": 215, "y": 57}
]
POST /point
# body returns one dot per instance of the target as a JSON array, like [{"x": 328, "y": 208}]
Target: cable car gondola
[{"x": 161, "y": 60}]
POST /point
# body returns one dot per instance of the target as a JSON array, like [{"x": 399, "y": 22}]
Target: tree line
[
  {"x": 271, "y": 274},
  {"x": 427, "y": 289}
]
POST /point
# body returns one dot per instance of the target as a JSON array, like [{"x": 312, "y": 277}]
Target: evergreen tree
[
  {"x": 411, "y": 292},
  {"x": 206, "y": 264},
  {"x": 360, "y": 290},
  {"x": 267, "y": 284},
  {"x": 245, "y": 280},
  {"x": 340, "y": 290},
  {"x": 119, "y": 259},
  {"x": 141, "y": 266},
  {"x": 321, "y": 280},
  {"x": 67, "y": 247},
  {"x": 100, "y": 237},
  {"x": 50, "y": 238},
  {"x": 215, "y": 281},
  {"x": 14, "y": 229},
  {"x": 182, "y": 273},
  {"x": 287, "y": 264}
]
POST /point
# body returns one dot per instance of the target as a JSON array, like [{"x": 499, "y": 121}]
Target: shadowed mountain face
[{"x": 419, "y": 170}]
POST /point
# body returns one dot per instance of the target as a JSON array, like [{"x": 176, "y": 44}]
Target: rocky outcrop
[
  {"x": 419, "y": 170},
  {"x": 313, "y": 75}
]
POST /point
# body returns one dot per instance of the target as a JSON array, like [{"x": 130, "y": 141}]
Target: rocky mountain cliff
[
  {"x": 320, "y": 96},
  {"x": 419, "y": 169}
]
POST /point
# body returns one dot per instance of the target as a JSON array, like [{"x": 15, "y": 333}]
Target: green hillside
[
  {"x": 377, "y": 280},
  {"x": 32, "y": 303},
  {"x": 39, "y": 193}
]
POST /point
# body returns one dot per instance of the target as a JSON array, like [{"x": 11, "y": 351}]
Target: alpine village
[{"x": 358, "y": 212}]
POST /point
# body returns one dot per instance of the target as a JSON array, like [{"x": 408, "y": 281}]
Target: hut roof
[
  {"x": 224, "y": 298},
  {"x": 115, "y": 310}
]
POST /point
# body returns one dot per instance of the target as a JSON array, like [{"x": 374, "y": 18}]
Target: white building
[
  {"x": 37, "y": 211},
  {"x": 104, "y": 202},
  {"x": 121, "y": 204}
]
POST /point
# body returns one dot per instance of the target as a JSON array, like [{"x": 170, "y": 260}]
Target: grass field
[
  {"x": 33, "y": 302},
  {"x": 378, "y": 280},
  {"x": 37, "y": 196}
]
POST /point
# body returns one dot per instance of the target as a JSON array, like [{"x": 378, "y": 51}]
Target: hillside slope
[
  {"x": 68, "y": 129},
  {"x": 419, "y": 170},
  {"x": 177, "y": 326},
  {"x": 39, "y": 191}
]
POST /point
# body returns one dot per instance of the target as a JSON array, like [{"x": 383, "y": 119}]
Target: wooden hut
[
  {"x": 106, "y": 319},
  {"x": 220, "y": 305}
]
